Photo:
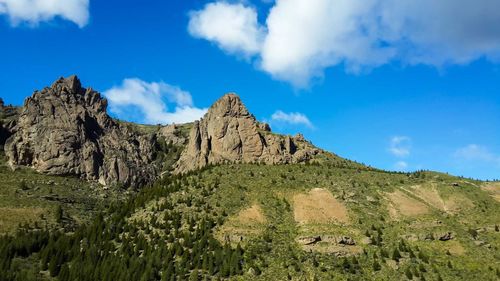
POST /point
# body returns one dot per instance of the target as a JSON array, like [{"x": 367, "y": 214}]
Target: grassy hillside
[
  {"x": 331, "y": 220},
  {"x": 43, "y": 201}
]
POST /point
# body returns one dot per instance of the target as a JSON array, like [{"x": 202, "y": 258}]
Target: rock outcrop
[
  {"x": 65, "y": 130},
  {"x": 228, "y": 133},
  {"x": 8, "y": 120},
  {"x": 171, "y": 134}
]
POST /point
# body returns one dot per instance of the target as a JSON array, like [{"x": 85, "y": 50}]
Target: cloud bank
[
  {"x": 301, "y": 38},
  {"x": 35, "y": 11},
  {"x": 151, "y": 100}
]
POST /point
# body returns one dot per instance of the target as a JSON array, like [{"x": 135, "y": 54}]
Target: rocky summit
[
  {"x": 228, "y": 133},
  {"x": 65, "y": 130}
]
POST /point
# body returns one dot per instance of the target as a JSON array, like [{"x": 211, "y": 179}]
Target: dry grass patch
[
  {"x": 430, "y": 195},
  {"x": 10, "y": 218},
  {"x": 493, "y": 188},
  {"x": 455, "y": 248},
  {"x": 248, "y": 222},
  {"x": 318, "y": 206},
  {"x": 253, "y": 214},
  {"x": 456, "y": 203},
  {"x": 403, "y": 205}
]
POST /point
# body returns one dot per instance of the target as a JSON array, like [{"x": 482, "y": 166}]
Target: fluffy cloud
[
  {"x": 36, "y": 11},
  {"x": 294, "y": 118},
  {"x": 151, "y": 100},
  {"x": 474, "y": 152},
  {"x": 400, "y": 146},
  {"x": 233, "y": 27},
  {"x": 301, "y": 38}
]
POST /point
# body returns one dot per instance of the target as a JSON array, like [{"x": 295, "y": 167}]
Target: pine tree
[
  {"x": 64, "y": 273},
  {"x": 408, "y": 274},
  {"x": 194, "y": 275},
  {"x": 396, "y": 255},
  {"x": 58, "y": 214},
  {"x": 53, "y": 266}
]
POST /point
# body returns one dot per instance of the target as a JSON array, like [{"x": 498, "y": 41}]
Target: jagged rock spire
[
  {"x": 229, "y": 105},
  {"x": 229, "y": 133}
]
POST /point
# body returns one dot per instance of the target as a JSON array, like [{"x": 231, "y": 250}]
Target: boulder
[
  {"x": 446, "y": 236},
  {"x": 345, "y": 240},
  {"x": 309, "y": 240}
]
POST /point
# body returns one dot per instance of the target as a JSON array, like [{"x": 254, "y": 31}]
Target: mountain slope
[{"x": 245, "y": 204}]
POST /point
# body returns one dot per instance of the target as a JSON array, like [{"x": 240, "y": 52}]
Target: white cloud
[
  {"x": 302, "y": 37},
  {"x": 400, "y": 146},
  {"x": 233, "y": 27},
  {"x": 401, "y": 166},
  {"x": 149, "y": 99},
  {"x": 474, "y": 152},
  {"x": 294, "y": 118},
  {"x": 36, "y": 11}
]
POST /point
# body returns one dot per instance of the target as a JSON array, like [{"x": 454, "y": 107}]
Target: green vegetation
[
  {"x": 249, "y": 221},
  {"x": 27, "y": 197}
]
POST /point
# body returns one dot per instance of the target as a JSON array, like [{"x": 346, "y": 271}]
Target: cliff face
[
  {"x": 8, "y": 119},
  {"x": 65, "y": 130},
  {"x": 229, "y": 133}
]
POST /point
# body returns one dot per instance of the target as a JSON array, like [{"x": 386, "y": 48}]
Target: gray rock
[
  {"x": 65, "y": 130},
  {"x": 446, "y": 236},
  {"x": 172, "y": 135},
  {"x": 228, "y": 133},
  {"x": 310, "y": 240},
  {"x": 8, "y": 120},
  {"x": 347, "y": 241}
]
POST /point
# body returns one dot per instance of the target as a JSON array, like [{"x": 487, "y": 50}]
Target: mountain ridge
[{"x": 65, "y": 129}]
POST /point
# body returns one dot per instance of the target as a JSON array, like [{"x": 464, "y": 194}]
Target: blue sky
[{"x": 353, "y": 76}]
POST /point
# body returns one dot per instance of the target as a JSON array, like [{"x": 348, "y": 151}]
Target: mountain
[
  {"x": 223, "y": 198},
  {"x": 228, "y": 133},
  {"x": 65, "y": 130}
]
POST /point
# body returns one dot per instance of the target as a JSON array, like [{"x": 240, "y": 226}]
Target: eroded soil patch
[{"x": 318, "y": 206}]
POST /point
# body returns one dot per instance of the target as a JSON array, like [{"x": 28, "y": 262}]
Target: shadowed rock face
[
  {"x": 229, "y": 133},
  {"x": 8, "y": 119},
  {"x": 65, "y": 130}
]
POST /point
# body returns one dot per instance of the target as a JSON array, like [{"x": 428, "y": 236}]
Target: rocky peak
[
  {"x": 71, "y": 84},
  {"x": 229, "y": 133},
  {"x": 229, "y": 105},
  {"x": 65, "y": 130}
]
